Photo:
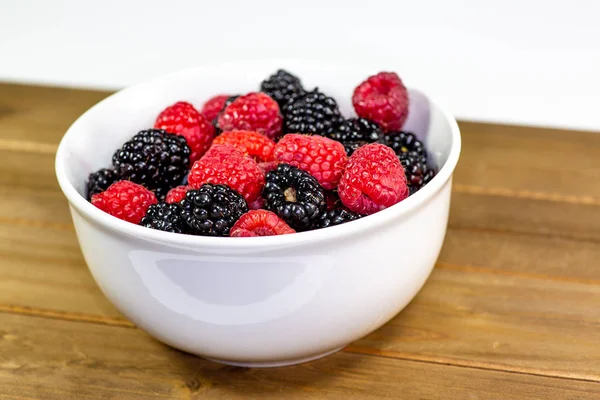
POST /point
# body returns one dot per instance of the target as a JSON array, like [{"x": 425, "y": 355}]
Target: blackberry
[
  {"x": 337, "y": 217},
  {"x": 155, "y": 159},
  {"x": 100, "y": 180},
  {"x": 295, "y": 196},
  {"x": 313, "y": 113},
  {"x": 283, "y": 87},
  {"x": 164, "y": 217},
  {"x": 356, "y": 130},
  {"x": 215, "y": 122},
  {"x": 212, "y": 210},
  {"x": 413, "y": 156}
]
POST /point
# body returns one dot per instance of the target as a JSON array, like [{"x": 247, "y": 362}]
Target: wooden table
[{"x": 511, "y": 311}]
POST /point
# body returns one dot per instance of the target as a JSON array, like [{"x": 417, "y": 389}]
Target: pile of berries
[{"x": 277, "y": 161}]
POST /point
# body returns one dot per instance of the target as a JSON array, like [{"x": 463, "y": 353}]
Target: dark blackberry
[
  {"x": 99, "y": 181},
  {"x": 413, "y": 156},
  {"x": 215, "y": 122},
  {"x": 313, "y": 113},
  {"x": 337, "y": 217},
  {"x": 283, "y": 87},
  {"x": 153, "y": 158},
  {"x": 212, "y": 210},
  {"x": 295, "y": 196},
  {"x": 356, "y": 130},
  {"x": 164, "y": 217}
]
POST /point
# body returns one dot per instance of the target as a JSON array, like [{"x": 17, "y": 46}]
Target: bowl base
[{"x": 273, "y": 364}]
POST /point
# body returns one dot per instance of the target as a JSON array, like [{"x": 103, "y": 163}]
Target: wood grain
[
  {"x": 534, "y": 159},
  {"x": 41, "y": 114},
  {"x": 509, "y": 309},
  {"x": 52, "y": 359}
]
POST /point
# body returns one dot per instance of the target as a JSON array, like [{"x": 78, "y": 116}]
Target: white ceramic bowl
[{"x": 263, "y": 301}]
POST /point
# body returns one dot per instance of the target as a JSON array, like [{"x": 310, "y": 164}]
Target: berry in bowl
[{"x": 261, "y": 213}]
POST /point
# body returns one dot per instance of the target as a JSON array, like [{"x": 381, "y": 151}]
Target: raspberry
[
  {"x": 283, "y": 87},
  {"x": 100, "y": 180},
  {"x": 260, "y": 223},
  {"x": 313, "y": 113},
  {"x": 212, "y": 210},
  {"x": 164, "y": 217},
  {"x": 226, "y": 165},
  {"x": 373, "y": 180},
  {"x": 125, "y": 200},
  {"x": 321, "y": 157},
  {"x": 176, "y": 194},
  {"x": 183, "y": 119},
  {"x": 252, "y": 112},
  {"x": 154, "y": 158},
  {"x": 254, "y": 144},
  {"x": 213, "y": 106},
  {"x": 337, "y": 217},
  {"x": 295, "y": 196},
  {"x": 383, "y": 99}
]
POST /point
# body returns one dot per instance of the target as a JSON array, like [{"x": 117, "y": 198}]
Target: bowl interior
[{"x": 91, "y": 141}]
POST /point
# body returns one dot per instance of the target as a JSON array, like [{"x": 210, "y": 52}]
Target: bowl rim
[{"x": 380, "y": 218}]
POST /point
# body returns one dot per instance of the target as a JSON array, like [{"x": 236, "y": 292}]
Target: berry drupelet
[
  {"x": 313, "y": 113},
  {"x": 412, "y": 154},
  {"x": 164, "y": 217},
  {"x": 100, "y": 180},
  {"x": 283, "y": 87},
  {"x": 337, "y": 217},
  {"x": 212, "y": 210},
  {"x": 155, "y": 159},
  {"x": 295, "y": 196}
]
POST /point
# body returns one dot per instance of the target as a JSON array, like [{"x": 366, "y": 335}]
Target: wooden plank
[
  {"x": 546, "y": 257},
  {"x": 40, "y": 113},
  {"x": 536, "y": 159},
  {"x": 50, "y": 359},
  {"x": 500, "y": 321},
  {"x": 525, "y": 216},
  {"x": 41, "y": 267}
]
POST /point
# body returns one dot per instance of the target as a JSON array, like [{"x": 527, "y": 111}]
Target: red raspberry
[
  {"x": 252, "y": 112},
  {"x": 183, "y": 119},
  {"x": 260, "y": 223},
  {"x": 213, "y": 106},
  {"x": 176, "y": 194},
  {"x": 255, "y": 144},
  {"x": 321, "y": 157},
  {"x": 226, "y": 165},
  {"x": 373, "y": 180},
  {"x": 383, "y": 99},
  {"x": 125, "y": 200}
]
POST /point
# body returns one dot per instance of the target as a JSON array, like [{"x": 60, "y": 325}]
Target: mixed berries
[{"x": 273, "y": 162}]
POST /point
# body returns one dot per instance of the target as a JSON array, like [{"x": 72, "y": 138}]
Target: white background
[{"x": 529, "y": 61}]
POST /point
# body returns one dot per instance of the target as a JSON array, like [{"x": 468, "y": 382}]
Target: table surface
[{"x": 511, "y": 309}]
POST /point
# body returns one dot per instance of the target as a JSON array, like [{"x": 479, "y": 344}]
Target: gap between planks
[{"x": 354, "y": 349}]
